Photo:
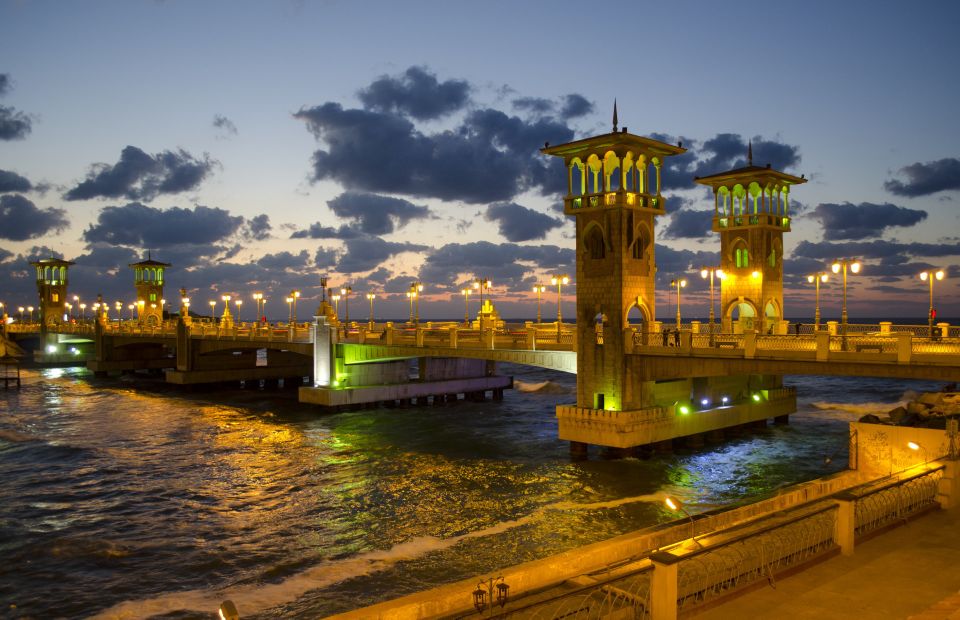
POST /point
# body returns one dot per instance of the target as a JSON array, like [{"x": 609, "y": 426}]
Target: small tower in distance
[
  {"x": 613, "y": 193},
  {"x": 148, "y": 280},
  {"x": 751, "y": 213},
  {"x": 52, "y": 288}
]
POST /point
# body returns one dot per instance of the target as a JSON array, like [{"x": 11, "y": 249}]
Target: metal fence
[{"x": 897, "y": 502}]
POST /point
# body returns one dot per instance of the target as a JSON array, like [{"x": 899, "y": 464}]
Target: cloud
[
  {"x": 925, "y": 179},
  {"x": 141, "y": 226},
  {"x": 224, "y": 124},
  {"x": 22, "y": 220},
  {"x": 374, "y": 214},
  {"x": 5, "y": 255},
  {"x": 536, "y": 105},
  {"x": 285, "y": 261},
  {"x": 258, "y": 227},
  {"x": 489, "y": 157},
  {"x": 325, "y": 258},
  {"x": 14, "y": 125},
  {"x": 518, "y": 223},
  {"x": 575, "y": 105},
  {"x": 13, "y": 182},
  {"x": 506, "y": 263},
  {"x": 877, "y": 249},
  {"x": 416, "y": 93},
  {"x": 689, "y": 224},
  {"x": 5, "y": 85},
  {"x": 140, "y": 176},
  {"x": 850, "y": 221},
  {"x": 319, "y": 231},
  {"x": 366, "y": 253}
]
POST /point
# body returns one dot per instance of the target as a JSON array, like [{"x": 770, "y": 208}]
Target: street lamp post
[
  {"x": 258, "y": 298},
  {"x": 346, "y": 303},
  {"x": 130, "y": 308},
  {"x": 539, "y": 289},
  {"x": 289, "y": 309},
  {"x": 417, "y": 289},
  {"x": 83, "y": 312},
  {"x": 816, "y": 279},
  {"x": 336, "y": 305},
  {"x": 20, "y": 309},
  {"x": 226, "y": 308},
  {"x": 213, "y": 310},
  {"x": 466, "y": 305},
  {"x": 119, "y": 306},
  {"x": 711, "y": 272},
  {"x": 30, "y": 310},
  {"x": 370, "y": 298},
  {"x": 239, "y": 303},
  {"x": 930, "y": 276},
  {"x": 559, "y": 281},
  {"x": 295, "y": 294},
  {"x": 836, "y": 267},
  {"x": 678, "y": 284},
  {"x": 410, "y": 295}
]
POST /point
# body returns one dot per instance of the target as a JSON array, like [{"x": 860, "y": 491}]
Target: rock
[
  {"x": 916, "y": 407},
  {"x": 869, "y": 419},
  {"x": 898, "y": 414},
  {"x": 911, "y": 419},
  {"x": 931, "y": 398}
]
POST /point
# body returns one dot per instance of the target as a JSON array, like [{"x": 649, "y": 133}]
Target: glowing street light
[
  {"x": 76, "y": 303},
  {"x": 345, "y": 291},
  {"x": 466, "y": 305},
  {"x": 336, "y": 305},
  {"x": 239, "y": 303},
  {"x": 678, "y": 284},
  {"x": 83, "y": 313},
  {"x": 711, "y": 272},
  {"x": 539, "y": 289},
  {"x": 481, "y": 284},
  {"x": 559, "y": 281},
  {"x": 836, "y": 267},
  {"x": 258, "y": 298},
  {"x": 119, "y": 306},
  {"x": 130, "y": 308},
  {"x": 675, "y": 505},
  {"x": 930, "y": 276},
  {"x": 295, "y": 293},
  {"x": 411, "y": 295},
  {"x": 20, "y": 310},
  {"x": 213, "y": 309},
  {"x": 290, "y": 300},
  {"x": 226, "y": 306},
  {"x": 816, "y": 279},
  {"x": 417, "y": 288},
  {"x": 370, "y": 298}
]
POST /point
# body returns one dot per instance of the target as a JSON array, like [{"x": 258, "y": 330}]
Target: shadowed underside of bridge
[
  {"x": 563, "y": 361},
  {"x": 652, "y": 367}
]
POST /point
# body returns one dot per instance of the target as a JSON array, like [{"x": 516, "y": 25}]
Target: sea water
[{"x": 126, "y": 498}]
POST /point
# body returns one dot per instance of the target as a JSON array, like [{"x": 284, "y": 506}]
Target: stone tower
[
  {"x": 52, "y": 288},
  {"x": 751, "y": 213},
  {"x": 148, "y": 280},
  {"x": 613, "y": 192}
]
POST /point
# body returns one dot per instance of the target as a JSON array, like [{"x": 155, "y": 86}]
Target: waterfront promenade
[{"x": 907, "y": 572}]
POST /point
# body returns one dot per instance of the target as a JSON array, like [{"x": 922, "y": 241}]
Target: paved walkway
[{"x": 911, "y": 571}]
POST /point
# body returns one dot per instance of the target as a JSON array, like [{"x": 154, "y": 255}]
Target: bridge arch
[
  {"x": 594, "y": 241},
  {"x": 637, "y": 315},
  {"x": 740, "y": 314}
]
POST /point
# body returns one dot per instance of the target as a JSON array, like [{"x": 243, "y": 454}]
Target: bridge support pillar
[
  {"x": 578, "y": 450},
  {"x": 823, "y": 345},
  {"x": 184, "y": 347},
  {"x": 782, "y": 420},
  {"x": 904, "y": 347}
]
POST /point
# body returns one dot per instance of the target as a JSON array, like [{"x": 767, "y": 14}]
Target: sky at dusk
[{"x": 260, "y": 145}]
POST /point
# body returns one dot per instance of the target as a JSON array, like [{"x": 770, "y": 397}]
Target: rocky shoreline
[{"x": 928, "y": 410}]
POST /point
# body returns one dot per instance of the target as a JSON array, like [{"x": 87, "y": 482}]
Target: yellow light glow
[
  {"x": 671, "y": 503},
  {"x": 755, "y": 275},
  {"x": 835, "y": 268},
  {"x": 855, "y": 267},
  {"x": 913, "y": 445}
]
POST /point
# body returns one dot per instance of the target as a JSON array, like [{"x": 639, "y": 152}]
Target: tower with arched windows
[
  {"x": 52, "y": 288},
  {"x": 751, "y": 213},
  {"x": 148, "y": 280},
  {"x": 613, "y": 193}
]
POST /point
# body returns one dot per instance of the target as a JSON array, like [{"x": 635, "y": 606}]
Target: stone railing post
[
  {"x": 844, "y": 529},
  {"x": 291, "y": 331},
  {"x": 749, "y": 343},
  {"x": 948, "y": 491},
  {"x": 904, "y": 347},
  {"x": 531, "y": 337},
  {"x": 324, "y": 351},
  {"x": 695, "y": 327},
  {"x": 420, "y": 334},
  {"x": 663, "y": 586},
  {"x": 488, "y": 337},
  {"x": 453, "y": 331},
  {"x": 944, "y": 329},
  {"x": 686, "y": 341},
  {"x": 388, "y": 333},
  {"x": 823, "y": 345},
  {"x": 885, "y": 328}
]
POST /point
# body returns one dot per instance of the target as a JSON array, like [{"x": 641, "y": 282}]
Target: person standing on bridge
[{"x": 666, "y": 337}]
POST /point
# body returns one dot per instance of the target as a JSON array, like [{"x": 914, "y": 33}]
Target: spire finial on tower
[
  {"x": 614, "y": 115},
  {"x": 148, "y": 255},
  {"x": 750, "y": 153}
]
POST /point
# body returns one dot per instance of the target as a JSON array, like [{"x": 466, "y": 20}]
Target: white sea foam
[
  {"x": 256, "y": 598},
  {"x": 545, "y": 387}
]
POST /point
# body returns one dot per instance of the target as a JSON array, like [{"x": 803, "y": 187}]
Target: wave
[
  {"x": 545, "y": 387},
  {"x": 15, "y": 437},
  {"x": 257, "y": 598}
]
